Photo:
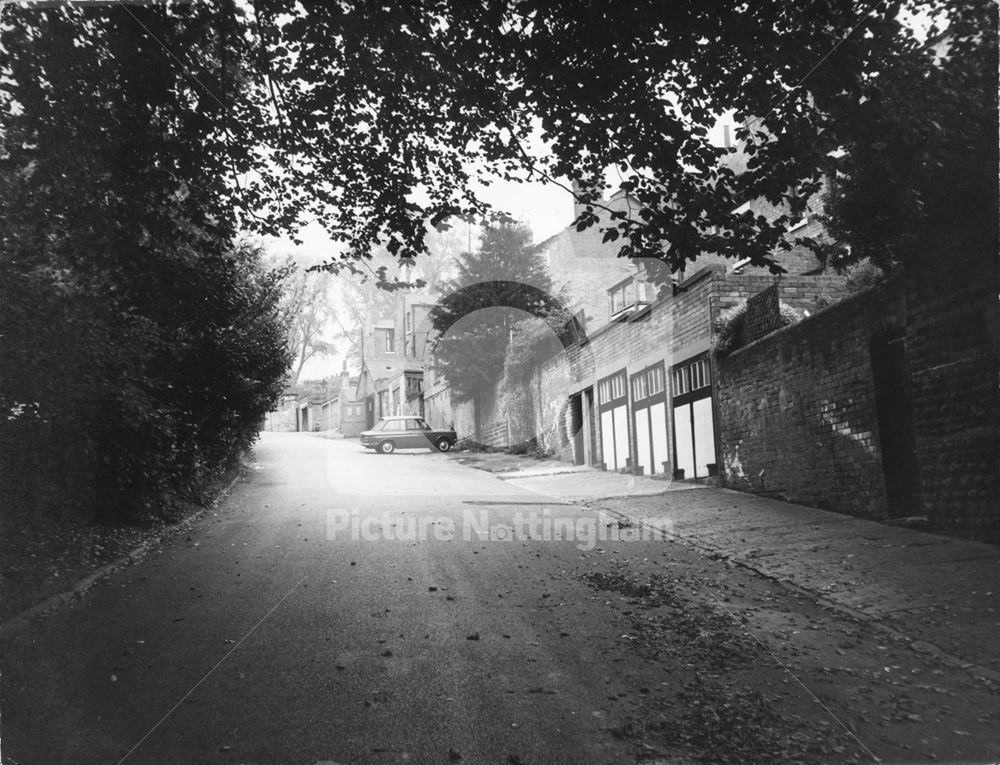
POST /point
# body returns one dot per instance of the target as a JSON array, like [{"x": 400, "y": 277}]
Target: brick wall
[
  {"x": 796, "y": 410},
  {"x": 797, "y": 415},
  {"x": 952, "y": 341}
]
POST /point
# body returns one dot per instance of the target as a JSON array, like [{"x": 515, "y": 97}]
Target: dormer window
[{"x": 629, "y": 295}]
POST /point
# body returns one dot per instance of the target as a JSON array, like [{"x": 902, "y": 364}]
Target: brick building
[
  {"x": 638, "y": 393},
  {"x": 393, "y": 349},
  {"x": 344, "y": 412},
  {"x": 582, "y": 266}
]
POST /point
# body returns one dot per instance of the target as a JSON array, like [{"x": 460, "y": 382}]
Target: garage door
[
  {"x": 612, "y": 398},
  {"x": 649, "y": 405},
  {"x": 694, "y": 427}
]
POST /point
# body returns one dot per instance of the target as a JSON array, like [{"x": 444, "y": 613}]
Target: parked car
[{"x": 406, "y": 432}]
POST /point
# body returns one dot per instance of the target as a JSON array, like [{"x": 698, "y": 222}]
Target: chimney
[
  {"x": 345, "y": 381},
  {"x": 726, "y": 140},
  {"x": 578, "y": 206}
]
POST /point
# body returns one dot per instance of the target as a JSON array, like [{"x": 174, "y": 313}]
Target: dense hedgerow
[{"x": 140, "y": 342}]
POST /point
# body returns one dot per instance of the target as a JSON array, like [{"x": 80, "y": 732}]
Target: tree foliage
[
  {"x": 381, "y": 120},
  {"x": 390, "y": 113},
  {"x": 310, "y": 313},
  {"x": 495, "y": 289},
  {"x": 140, "y": 342}
]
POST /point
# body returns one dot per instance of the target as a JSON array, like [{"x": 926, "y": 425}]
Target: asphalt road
[{"x": 339, "y": 606}]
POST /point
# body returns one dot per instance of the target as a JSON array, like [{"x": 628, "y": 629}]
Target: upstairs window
[
  {"x": 389, "y": 340},
  {"x": 629, "y": 295}
]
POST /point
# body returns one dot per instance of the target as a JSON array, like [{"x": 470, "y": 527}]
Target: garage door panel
[
  {"x": 685, "y": 440},
  {"x": 642, "y": 441},
  {"x": 608, "y": 440},
  {"x": 704, "y": 435},
  {"x": 621, "y": 435},
  {"x": 658, "y": 426}
]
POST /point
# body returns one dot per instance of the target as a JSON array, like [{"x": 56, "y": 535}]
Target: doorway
[
  {"x": 694, "y": 422},
  {"x": 582, "y": 426},
  {"x": 894, "y": 414}
]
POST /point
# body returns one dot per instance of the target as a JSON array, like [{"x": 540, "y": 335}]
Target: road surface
[
  {"x": 291, "y": 627},
  {"x": 346, "y": 607}
]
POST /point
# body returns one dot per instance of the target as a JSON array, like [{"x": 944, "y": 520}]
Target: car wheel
[
  {"x": 443, "y": 444},
  {"x": 387, "y": 447}
]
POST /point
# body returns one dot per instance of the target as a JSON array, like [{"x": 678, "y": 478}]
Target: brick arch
[{"x": 570, "y": 333}]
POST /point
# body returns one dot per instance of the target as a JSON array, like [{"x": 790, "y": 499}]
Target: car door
[
  {"x": 416, "y": 434},
  {"x": 428, "y": 433}
]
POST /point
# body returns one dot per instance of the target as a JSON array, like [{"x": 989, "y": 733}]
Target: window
[
  {"x": 655, "y": 380},
  {"x": 611, "y": 388},
  {"x": 390, "y": 340},
  {"x": 618, "y": 386},
  {"x": 617, "y": 301},
  {"x": 604, "y": 392},
  {"x": 648, "y": 382},
  {"x": 640, "y": 387},
  {"x": 629, "y": 294},
  {"x": 414, "y": 388},
  {"x": 691, "y": 377}
]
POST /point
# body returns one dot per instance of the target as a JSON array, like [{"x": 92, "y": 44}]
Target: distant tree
[
  {"x": 445, "y": 245},
  {"x": 314, "y": 389},
  {"x": 362, "y": 299},
  {"x": 311, "y": 315},
  {"x": 495, "y": 288}
]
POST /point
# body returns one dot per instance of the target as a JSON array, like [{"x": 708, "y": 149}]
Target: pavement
[{"x": 941, "y": 593}]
